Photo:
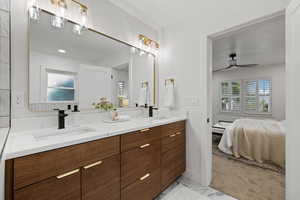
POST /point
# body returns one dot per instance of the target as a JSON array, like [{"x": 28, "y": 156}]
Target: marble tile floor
[{"x": 184, "y": 189}]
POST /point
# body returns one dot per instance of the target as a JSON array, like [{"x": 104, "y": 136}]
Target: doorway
[{"x": 246, "y": 67}]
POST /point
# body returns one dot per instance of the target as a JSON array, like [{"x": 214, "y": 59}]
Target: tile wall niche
[{"x": 4, "y": 63}]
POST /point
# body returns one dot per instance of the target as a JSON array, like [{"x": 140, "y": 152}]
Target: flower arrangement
[{"x": 104, "y": 104}]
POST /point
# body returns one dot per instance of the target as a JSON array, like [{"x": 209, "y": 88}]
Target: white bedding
[{"x": 226, "y": 142}]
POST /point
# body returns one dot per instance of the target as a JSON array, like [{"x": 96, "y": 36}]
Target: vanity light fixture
[
  {"x": 142, "y": 53},
  {"x": 58, "y": 21},
  {"x": 133, "y": 49},
  {"x": 78, "y": 28},
  {"x": 148, "y": 44},
  {"x": 34, "y": 10}
]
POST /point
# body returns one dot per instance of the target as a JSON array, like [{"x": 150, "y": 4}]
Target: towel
[
  {"x": 143, "y": 96},
  {"x": 169, "y": 99}
]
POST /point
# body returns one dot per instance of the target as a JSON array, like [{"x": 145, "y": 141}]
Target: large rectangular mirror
[{"x": 70, "y": 68}]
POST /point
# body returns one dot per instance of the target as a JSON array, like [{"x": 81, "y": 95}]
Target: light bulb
[
  {"x": 34, "y": 10},
  {"x": 57, "y": 22},
  {"x": 77, "y": 29}
]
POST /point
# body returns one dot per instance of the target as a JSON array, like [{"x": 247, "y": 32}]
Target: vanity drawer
[
  {"x": 138, "y": 138},
  {"x": 172, "y": 141},
  {"x": 96, "y": 150},
  {"x": 146, "y": 188},
  {"x": 37, "y": 167},
  {"x": 139, "y": 161},
  {"x": 65, "y": 188},
  {"x": 170, "y": 129}
]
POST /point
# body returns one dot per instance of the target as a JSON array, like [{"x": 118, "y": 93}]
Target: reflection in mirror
[{"x": 67, "y": 68}]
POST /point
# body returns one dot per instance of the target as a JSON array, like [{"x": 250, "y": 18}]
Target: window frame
[
  {"x": 256, "y": 112},
  {"x": 243, "y": 93},
  {"x": 44, "y": 84},
  {"x": 230, "y": 96}
]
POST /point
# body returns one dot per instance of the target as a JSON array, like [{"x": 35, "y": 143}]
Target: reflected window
[{"x": 60, "y": 86}]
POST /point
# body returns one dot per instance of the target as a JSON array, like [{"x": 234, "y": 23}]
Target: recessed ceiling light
[{"x": 62, "y": 51}]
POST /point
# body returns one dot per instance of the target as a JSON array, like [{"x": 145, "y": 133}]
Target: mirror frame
[{"x": 47, "y": 107}]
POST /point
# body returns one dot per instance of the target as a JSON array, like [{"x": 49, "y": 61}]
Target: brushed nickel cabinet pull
[
  {"x": 145, "y": 130},
  {"x": 144, "y": 177},
  {"x": 144, "y": 146},
  {"x": 68, "y": 174},
  {"x": 178, "y": 133},
  {"x": 93, "y": 165},
  {"x": 173, "y": 135}
]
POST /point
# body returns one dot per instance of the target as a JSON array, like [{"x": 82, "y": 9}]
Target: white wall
[
  {"x": 103, "y": 16},
  {"x": 275, "y": 73},
  {"x": 184, "y": 57}
]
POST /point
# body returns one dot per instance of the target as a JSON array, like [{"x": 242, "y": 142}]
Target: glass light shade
[
  {"x": 57, "y": 22},
  {"x": 77, "y": 29},
  {"x": 34, "y": 13}
]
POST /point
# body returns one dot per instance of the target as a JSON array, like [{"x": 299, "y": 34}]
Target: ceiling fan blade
[
  {"x": 250, "y": 65},
  {"x": 223, "y": 69}
]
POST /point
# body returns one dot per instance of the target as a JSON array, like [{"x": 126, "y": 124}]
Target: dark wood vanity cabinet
[{"x": 133, "y": 166}]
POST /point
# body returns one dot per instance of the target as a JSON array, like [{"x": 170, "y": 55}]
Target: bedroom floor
[{"x": 247, "y": 181}]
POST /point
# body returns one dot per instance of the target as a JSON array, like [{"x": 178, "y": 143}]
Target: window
[
  {"x": 258, "y": 96},
  {"x": 231, "y": 96},
  {"x": 60, "y": 86}
]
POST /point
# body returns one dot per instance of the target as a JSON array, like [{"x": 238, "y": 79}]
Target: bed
[{"x": 257, "y": 140}]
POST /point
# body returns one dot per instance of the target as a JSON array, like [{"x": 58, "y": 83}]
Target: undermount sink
[{"x": 64, "y": 132}]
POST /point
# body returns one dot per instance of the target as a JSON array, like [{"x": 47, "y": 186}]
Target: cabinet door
[
  {"x": 64, "y": 187},
  {"x": 101, "y": 180}
]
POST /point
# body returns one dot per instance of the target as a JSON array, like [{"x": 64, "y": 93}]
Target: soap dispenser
[{"x": 76, "y": 114}]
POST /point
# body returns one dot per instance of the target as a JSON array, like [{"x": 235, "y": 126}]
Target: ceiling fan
[{"x": 233, "y": 64}]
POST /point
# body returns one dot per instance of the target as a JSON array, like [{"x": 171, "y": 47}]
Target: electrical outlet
[{"x": 19, "y": 100}]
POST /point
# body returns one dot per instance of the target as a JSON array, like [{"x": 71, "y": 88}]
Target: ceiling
[
  {"x": 90, "y": 46},
  {"x": 169, "y": 12},
  {"x": 262, "y": 44}
]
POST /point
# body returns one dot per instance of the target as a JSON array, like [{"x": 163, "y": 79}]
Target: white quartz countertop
[{"x": 28, "y": 142}]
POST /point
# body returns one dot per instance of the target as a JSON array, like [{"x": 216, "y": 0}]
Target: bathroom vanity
[{"x": 135, "y": 165}]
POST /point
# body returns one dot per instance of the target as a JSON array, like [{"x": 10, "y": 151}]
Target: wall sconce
[{"x": 34, "y": 10}]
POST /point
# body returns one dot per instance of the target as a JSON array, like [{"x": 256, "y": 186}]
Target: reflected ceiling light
[
  {"x": 34, "y": 10},
  {"x": 62, "y": 51}
]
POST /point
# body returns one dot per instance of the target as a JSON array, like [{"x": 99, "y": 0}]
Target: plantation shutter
[{"x": 257, "y": 97}]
